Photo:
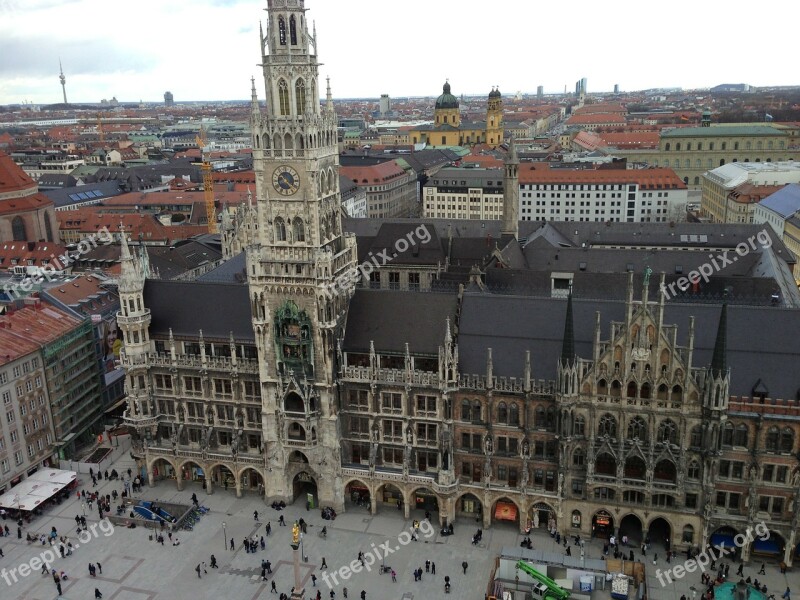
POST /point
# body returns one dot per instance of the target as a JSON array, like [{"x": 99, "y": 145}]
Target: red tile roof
[
  {"x": 641, "y": 139},
  {"x": 373, "y": 174},
  {"x": 20, "y": 253},
  {"x": 645, "y": 178},
  {"x": 25, "y": 330},
  {"x": 589, "y": 109},
  {"x": 595, "y": 118},
  {"x": 85, "y": 220},
  {"x": 12, "y": 177}
]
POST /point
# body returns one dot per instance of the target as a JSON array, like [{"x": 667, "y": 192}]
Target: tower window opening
[
  {"x": 282, "y": 31},
  {"x": 283, "y": 97},
  {"x": 300, "y": 96},
  {"x": 292, "y": 31}
]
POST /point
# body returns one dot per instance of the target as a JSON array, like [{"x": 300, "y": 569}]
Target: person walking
[
  {"x": 269, "y": 528},
  {"x": 394, "y": 576},
  {"x": 363, "y": 595},
  {"x": 344, "y": 592},
  {"x": 232, "y": 545},
  {"x": 762, "y": 571},
  {"x": 100, "y": 568},
  {"x": 787, "y": 594},
  {"x": 281, "y": 521},
  {"x": 313, "y": 580},
  {"x": 97, "y": 593},
  {"x": 214, "y": 562},
  {"x": 255, "y": 515},
  {"x": 433, "y": 568},
  {"x": 427, "y": 566},
  {"x": 464, "y": 566},
  {"x": 273, "y": 590},
  {"x": 197, "y": 568},
  {"x": 324, "y": 564},
  {"x": 740, "y": 570}
]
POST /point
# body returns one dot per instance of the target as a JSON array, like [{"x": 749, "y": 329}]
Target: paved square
[{"x": 135, "y": 568}]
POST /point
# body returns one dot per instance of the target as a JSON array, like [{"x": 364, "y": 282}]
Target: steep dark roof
[
  {"x": 390, "y": 318},
  {"x": 421, "y": 242},
  {"x": 187, "y": 307},
  {"x": 761, "y": 342}
]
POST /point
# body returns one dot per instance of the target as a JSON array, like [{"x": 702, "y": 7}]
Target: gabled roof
[{"x": 785, "y": 202}]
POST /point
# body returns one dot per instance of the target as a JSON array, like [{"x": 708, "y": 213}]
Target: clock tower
[{"x": 299, "y": 269}]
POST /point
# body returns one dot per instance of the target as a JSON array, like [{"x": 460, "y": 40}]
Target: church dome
[
  {"x": 446, "y": 100},
  {"x": 495, "y": 93}
]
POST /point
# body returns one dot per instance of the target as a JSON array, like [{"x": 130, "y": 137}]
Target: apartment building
[
  {"x": 464, "y": 193},
  {"x": 632, "y": 196}
]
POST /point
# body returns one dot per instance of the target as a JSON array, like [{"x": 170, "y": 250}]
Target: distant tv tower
[{"x": 63, "y": 80}]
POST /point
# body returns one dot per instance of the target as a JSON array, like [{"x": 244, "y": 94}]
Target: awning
[
  {"x": 766, "y": 547},
  {"x": 37, "y": 488},
  {"x": 718, "y": 539},
  {"x": 505, "y": 511}
]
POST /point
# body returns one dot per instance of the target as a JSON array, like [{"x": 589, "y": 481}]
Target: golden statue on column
[{"x": 295, "y": 533}]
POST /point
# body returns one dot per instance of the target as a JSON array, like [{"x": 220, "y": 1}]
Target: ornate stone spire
[{"x": 568, "y": 342}]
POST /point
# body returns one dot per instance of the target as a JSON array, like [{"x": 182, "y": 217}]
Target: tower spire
[
  {"x": 568, "y": 343},
  {"x": 329, "y": 96},
  {"x": 719, "y": 360},
  {"x": 511, "y": 192}
]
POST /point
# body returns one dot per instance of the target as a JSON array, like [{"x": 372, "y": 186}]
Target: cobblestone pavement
[{"x": 135, "y": 568}]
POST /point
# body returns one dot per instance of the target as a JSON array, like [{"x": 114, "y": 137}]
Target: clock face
[{"x": 285, "y": 180}]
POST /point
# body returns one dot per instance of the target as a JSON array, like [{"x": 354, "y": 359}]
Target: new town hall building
[{"x": 534, "y": 375}]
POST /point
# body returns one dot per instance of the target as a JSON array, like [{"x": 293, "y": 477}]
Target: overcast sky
[{"x": 208, "y": 49}]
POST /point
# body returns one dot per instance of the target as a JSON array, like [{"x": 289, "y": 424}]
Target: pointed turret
[
  {"x": 719, "y": 361},
  {"x": 329, "y": 97},
  {"x": 568, "y": 343},
  {"x": 254, "y": 109}
]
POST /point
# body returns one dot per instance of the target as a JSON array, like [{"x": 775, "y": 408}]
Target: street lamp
[
  {"x": 302, "y": 552},
  {"x": 225, "y": 535}
]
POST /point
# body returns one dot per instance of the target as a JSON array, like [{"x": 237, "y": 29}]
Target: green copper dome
[{"x": 446, "y": 100}]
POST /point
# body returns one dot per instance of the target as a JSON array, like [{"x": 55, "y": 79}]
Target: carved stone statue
[
  {"x": 561, "y": 485},
  {"x": 407, "y": 456},
  {"x": 373, "y": 454},
  {"x": 488, "y": 444},
  {"x": 174, "y": 440},
  {"x": 409, "y": 436},
  {"x": 707, "y": 510},
  {"x": 523, "y": 482},
  {"x": 235, "y": 443},
  {"x": 536, "y": 520},
  {"x": 526, "y": 449}
]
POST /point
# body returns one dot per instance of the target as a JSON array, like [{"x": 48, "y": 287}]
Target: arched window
[
  {"x": 281, "y": 31},
  {"x": 551, "y": 418},
  {"x": 677, "y": 394},
  {"x": 637, "y": 429},
  {"x": 693, "y": 471},
  {"x": 678, "y": 147},
  {"x": 787, "y": 440},
  {"x": 741, "y": 436},
  {"x": 667, "y": 148},
  {"x": 727, "y": 435},
  {"x": 771, "y": 443},
  {"x": 645, "y": 392},
  {"x": 292, "y": 31},
  {"x": 476, "y": 411},
  {"x": 608, "y": 426},
  {"x": 688, "y": 534},
  {"x": 299, "y": 230},
  {"x": 696, "y": 437},
  {"x": 283, "y": 97},
  {"x": 300, "y": 96},
  {"x": 280, "y": 230},
  {"x": 578, "y": 458},
  {"x": 513, "y": 415},
  {"x": 502, "y": 413},
  {"x": 616, "y": 387},
  {"x": 631, "y": 393},
  {"x": 602, "y": 387},
  {"x": 539, "y": 418},
  {"x": 668, "y": 432},
  {"x": 18, "y": 230},
  {"x": 465, "y": 410},
  {"x": 580, "y": 425}
]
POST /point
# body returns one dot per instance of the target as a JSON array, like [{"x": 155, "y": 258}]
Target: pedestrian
[
  {"x": 344, "y": 592},
  {"x": 363, "y": 595},
  {"x": 333, "y": 594},
  {"x": 273, "y": 590},
  {"x": 281, "y": 522},
  {"x": 569, "y": 551},
  {"x": 263, "y": 543},
  {"x": 214, "y": 562},
  {"x": 740, "y": 570},
  {"x": 433, "y": 568},
  {"x": 197, "y": 568},
  {"x": 324, "y": 564},
  {"x": 313, "y": 580},
  {"x": 787, "y": 594},
  {"x": 427, "y": 566},
  {"x": 394, "y": 576},
  {"x": 269, "y": 567},
  {"x": 464, "y": 566},
  {"x": 255, "y": 515},
  {"x": 100, "y": 568},
  {"x": 762, "y": 571},
  {"x": 58, "y": 587},
  {"x": 232, "y": 546}
]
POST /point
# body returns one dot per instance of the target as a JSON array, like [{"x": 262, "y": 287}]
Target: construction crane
[{"x": 208, "y": 183}]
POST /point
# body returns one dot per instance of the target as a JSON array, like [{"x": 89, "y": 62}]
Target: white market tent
[{"x": 33, "y": 491}]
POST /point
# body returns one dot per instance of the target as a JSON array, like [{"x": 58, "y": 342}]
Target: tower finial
[
  {"x": 568, "y": 343},
  {"x": 719, "y": 360},
  {"x": 329, "y": 96}
]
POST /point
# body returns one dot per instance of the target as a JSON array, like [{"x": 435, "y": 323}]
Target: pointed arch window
[
  {"x": 579, "y": 427},
  {"x": 18, "y": 230},
  {"x": 787, "y": 440},
  {"x": 696, "y": 437},
  {"x": 513, "y": 414},
  {"x": 292, "y": 31},
  {"x": 283, "y": 97},
  {"x": 668, "y": 432},
  {"x": 637, "y": 429},
  {"x": 282, "y": 31},
  {"x": 608, "y": 426},
  {"x": 280, "y": 230},
  {"x": 300, "y": 96},
  {"x": 502, "y": 413},
  {"x": 299, "y": 230}
]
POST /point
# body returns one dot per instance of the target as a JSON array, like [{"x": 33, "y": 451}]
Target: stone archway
[
  {"x": 304, "y": 488},
  {"x": 602, "y": 524},
  {"x": 631, "y": 527},
  {"x": 469, "y": 506},
  {"x": 251, "y": 480},
  {"x": 660, "y": 533},
  {"x": 223, "y": 476},
  {"x": 425, "y": 502},
  {"x": 193, "y": 473},
  {"x": 541, "y": 516},
  {"x": 160, "y": 469},
  {"x": 505, "y": 510},
  {"x": 357, "y": 496},
  {"x": 390, "y": 496}
]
